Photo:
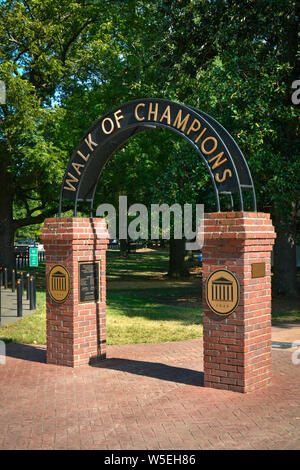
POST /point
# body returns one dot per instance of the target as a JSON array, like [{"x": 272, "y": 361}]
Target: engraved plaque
[
  {"x": 222, "y": 292},
  {"x": 88, "y": 282},
  {"x": 258, "y": 270},
  {"x": 58, "y": 283}
]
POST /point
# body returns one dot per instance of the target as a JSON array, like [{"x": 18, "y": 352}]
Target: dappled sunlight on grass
[
  {"x": 140, "y": 317},
  {"x": 141, "y": 265},
  {"x": 142, "y": 305}
]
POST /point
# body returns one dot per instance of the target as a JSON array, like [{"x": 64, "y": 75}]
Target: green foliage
[
  {"x": 66, "y": 63},
  {"x": 45, "y": 48}
]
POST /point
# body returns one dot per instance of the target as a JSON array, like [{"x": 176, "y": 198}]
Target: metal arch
[
  {"x": 241, "y": 156},
  {"x": 117, "y": 146},
  {"x": 109, "y": 144},
  {"x": 93, "y": 189},
  {"x": 187, "y": 108},
  {"x": 197, "y": 150},
  {"x": 147, "y": 124}
]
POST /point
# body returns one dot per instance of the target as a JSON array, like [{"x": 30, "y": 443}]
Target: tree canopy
[{"x": 65, "y": 63}]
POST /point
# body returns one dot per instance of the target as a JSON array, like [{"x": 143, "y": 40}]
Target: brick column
[
  {"x": 237, "y": 348},
  {"x": 75, "y": 331}
]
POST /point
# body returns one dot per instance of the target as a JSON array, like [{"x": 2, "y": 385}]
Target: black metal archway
[{"x": 223, "y": 158}]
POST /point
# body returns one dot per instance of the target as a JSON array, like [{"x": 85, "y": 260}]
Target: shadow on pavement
[
  {"x": 27, "y": 352},
  {"x": 156, "y": 370},
  {"x": 152, "y": 369}
]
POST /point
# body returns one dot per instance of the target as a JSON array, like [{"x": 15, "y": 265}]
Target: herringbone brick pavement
[{"x": 147, "y": 396}]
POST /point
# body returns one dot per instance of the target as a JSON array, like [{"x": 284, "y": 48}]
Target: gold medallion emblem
[
  {"x": 58, "y": 283},
  {"x": 222, "y": 292}
]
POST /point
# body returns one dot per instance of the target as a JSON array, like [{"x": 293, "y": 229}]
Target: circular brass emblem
[
  {"x": 58, "y": 283},
  {"x": 222, "y": 292}
]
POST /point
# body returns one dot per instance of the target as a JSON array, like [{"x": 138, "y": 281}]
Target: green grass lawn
[
  {"x": 142, "y": 307},
  {"x": 150, "y": 316},
  {"x": 133, "y": 316},
  {"x": 30, "y": 330},
  {"x": 140, "y": 265},
  {"x": 285, "y": 316}
]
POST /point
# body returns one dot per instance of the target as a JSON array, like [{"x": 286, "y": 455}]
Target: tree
[
  {"x": 45, "y": 46},
  {"x": 250, "y": 92},
  {"x": 66, "y": 63},
  {"x": 237, "y": 61},
  {"x": 183, "y": 180}
]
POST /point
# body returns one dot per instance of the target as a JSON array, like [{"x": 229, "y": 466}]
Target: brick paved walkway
[{"x": 143, "y": 397}]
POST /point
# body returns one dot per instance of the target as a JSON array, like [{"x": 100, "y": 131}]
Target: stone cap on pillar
[
  {"x": 75, "y": 229},
  {"x": 238, "y": 228}
]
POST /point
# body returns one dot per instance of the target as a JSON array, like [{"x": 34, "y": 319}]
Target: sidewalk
[
  {"x": 285, "y": 335},
  {"x": 146, "y": 396},
  {"x": 9, "y": 306}
]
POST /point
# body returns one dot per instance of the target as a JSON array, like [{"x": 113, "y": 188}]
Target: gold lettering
[
  {"x": 70, "y": 181},
  {"x": 117, "y": 118},
  {"x": 208, "y": 152},
  {"x": 137, "y": 117},
  {"x": 89, "y": 142},
  {"x": 181, "y": 122},
  {"x": 155, "y": 112},
  {"x": 200, "y": 135},
  {"x": 82, "y": 156},
  {"x": 77, "y": 167},
  {"x": 166, "y": 115},
  {"x": 112, "y": 126},
  {"x": 218, "y": 162},
  {"x": 226, "y": 172},
  {"x": 192, "y": 126}
]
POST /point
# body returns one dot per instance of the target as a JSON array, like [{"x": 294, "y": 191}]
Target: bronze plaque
[
  {"x": 258, "y": 270},
  {"x": 222, "y": 292},
  {"x": 58, "y": 283},
  {"x": 88, "y": 282}
]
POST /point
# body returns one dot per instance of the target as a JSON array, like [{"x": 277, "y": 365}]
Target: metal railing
[
  {"x": 20, "y": 283},
  {"x": 22, "y": 258}
]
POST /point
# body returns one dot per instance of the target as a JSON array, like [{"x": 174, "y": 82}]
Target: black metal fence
[
  {"x": 22, "y": 258},
  {"x": 22, "y": 284}
]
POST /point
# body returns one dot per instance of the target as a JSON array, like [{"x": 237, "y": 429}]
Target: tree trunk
[
  {"x": 285, "y": 270},
  {"x": 177, "y": 267},
  {"x": 190, "y": 256},
  {"x": 7, "y": 228},
  {"x": 123, "y": 247}
]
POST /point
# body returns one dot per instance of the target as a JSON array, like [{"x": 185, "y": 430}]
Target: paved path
[
  {"x": 9, "y": 306},
  {"x": 286, "y": 335},
  {"x": 147, "y": 396}
]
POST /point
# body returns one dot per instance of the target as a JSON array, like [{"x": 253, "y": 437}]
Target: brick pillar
[
  {"x": 237, "y": 348},
  {"x": 75, "y": 331}
]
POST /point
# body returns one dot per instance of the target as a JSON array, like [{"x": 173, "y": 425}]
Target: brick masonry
[
  {"x": 144, "y": 396},
  {"x": 76, "y": 332},
  {"x": 237, "y": 348}
]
